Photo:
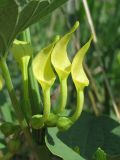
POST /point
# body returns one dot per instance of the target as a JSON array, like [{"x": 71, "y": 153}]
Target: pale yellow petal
[
  {"x": 59, "y": 57},
  {"x": 42, "y": 68},
  {"x": 78, "y": 75}
]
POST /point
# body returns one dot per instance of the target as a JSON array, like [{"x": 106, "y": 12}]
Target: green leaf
[
  {"x": 29, "y": 13},
  {"x": 40, "y": 15},
  {"x": 58, "y": 147},
  {"x": 12, "y": 22},
  {"x": 88, "y": 134},
  {"x": 8, "y": 19}
]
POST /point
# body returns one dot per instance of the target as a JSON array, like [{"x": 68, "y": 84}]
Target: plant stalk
[
  {"x": 80, "y": 101},
  {"x": 36, "y": 100},
  {"x": 63, "y": 96},
  {"x": 47, "y": 103},
  {"x": 27, "y": 106}
]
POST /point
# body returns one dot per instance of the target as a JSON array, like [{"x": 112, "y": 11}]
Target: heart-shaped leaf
[
  {"x": 47, "y": 10},
  {"x": 58, "y": 147},
  {"x": 87, "y": 134},
  {"x": 29, "y": 13}
]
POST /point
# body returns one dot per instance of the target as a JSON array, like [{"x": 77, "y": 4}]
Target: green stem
[
  {"x": 34, "y": 88},
  {"x": 16, "y": 106},
  {"x": 35, "y": 98},
  {"x": 80, "y": 101},
  {"x": 11, "y": 91},
  {"x": 63, "y": 95},
  {"x": 24, "y": 68},
  {"x": 47, "y": 103}
]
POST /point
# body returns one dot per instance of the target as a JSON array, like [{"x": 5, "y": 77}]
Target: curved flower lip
[
  {"x": 42, "y": 68},
  {"x": 59, "y": 58},
  {"x": 78, "y": 75},
  {"x": 21, "y": 49}
]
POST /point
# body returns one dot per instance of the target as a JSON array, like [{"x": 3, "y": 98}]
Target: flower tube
[
  {"x": 79, "y": 78},
  {"x": 44, "y": 74},
  {"x": 62, "y": 65},
  {"x": 22, "y": 51}
]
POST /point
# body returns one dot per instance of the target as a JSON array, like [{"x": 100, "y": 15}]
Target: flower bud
[
  {"x": 21, "y": 49},
  {"x": 64, "y": 123},
  {"x": 52, "y": 120},
  {"x": 37, "y": 121}
]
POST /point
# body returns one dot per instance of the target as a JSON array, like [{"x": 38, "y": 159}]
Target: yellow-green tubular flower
[
  {"x": 64, "y": 123},
  {"x": 62, "y": 65},
  {"x": 22, "y": 51},
  {"x": 79, "y": 78},
  {"x": 43, "y": 72}
]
